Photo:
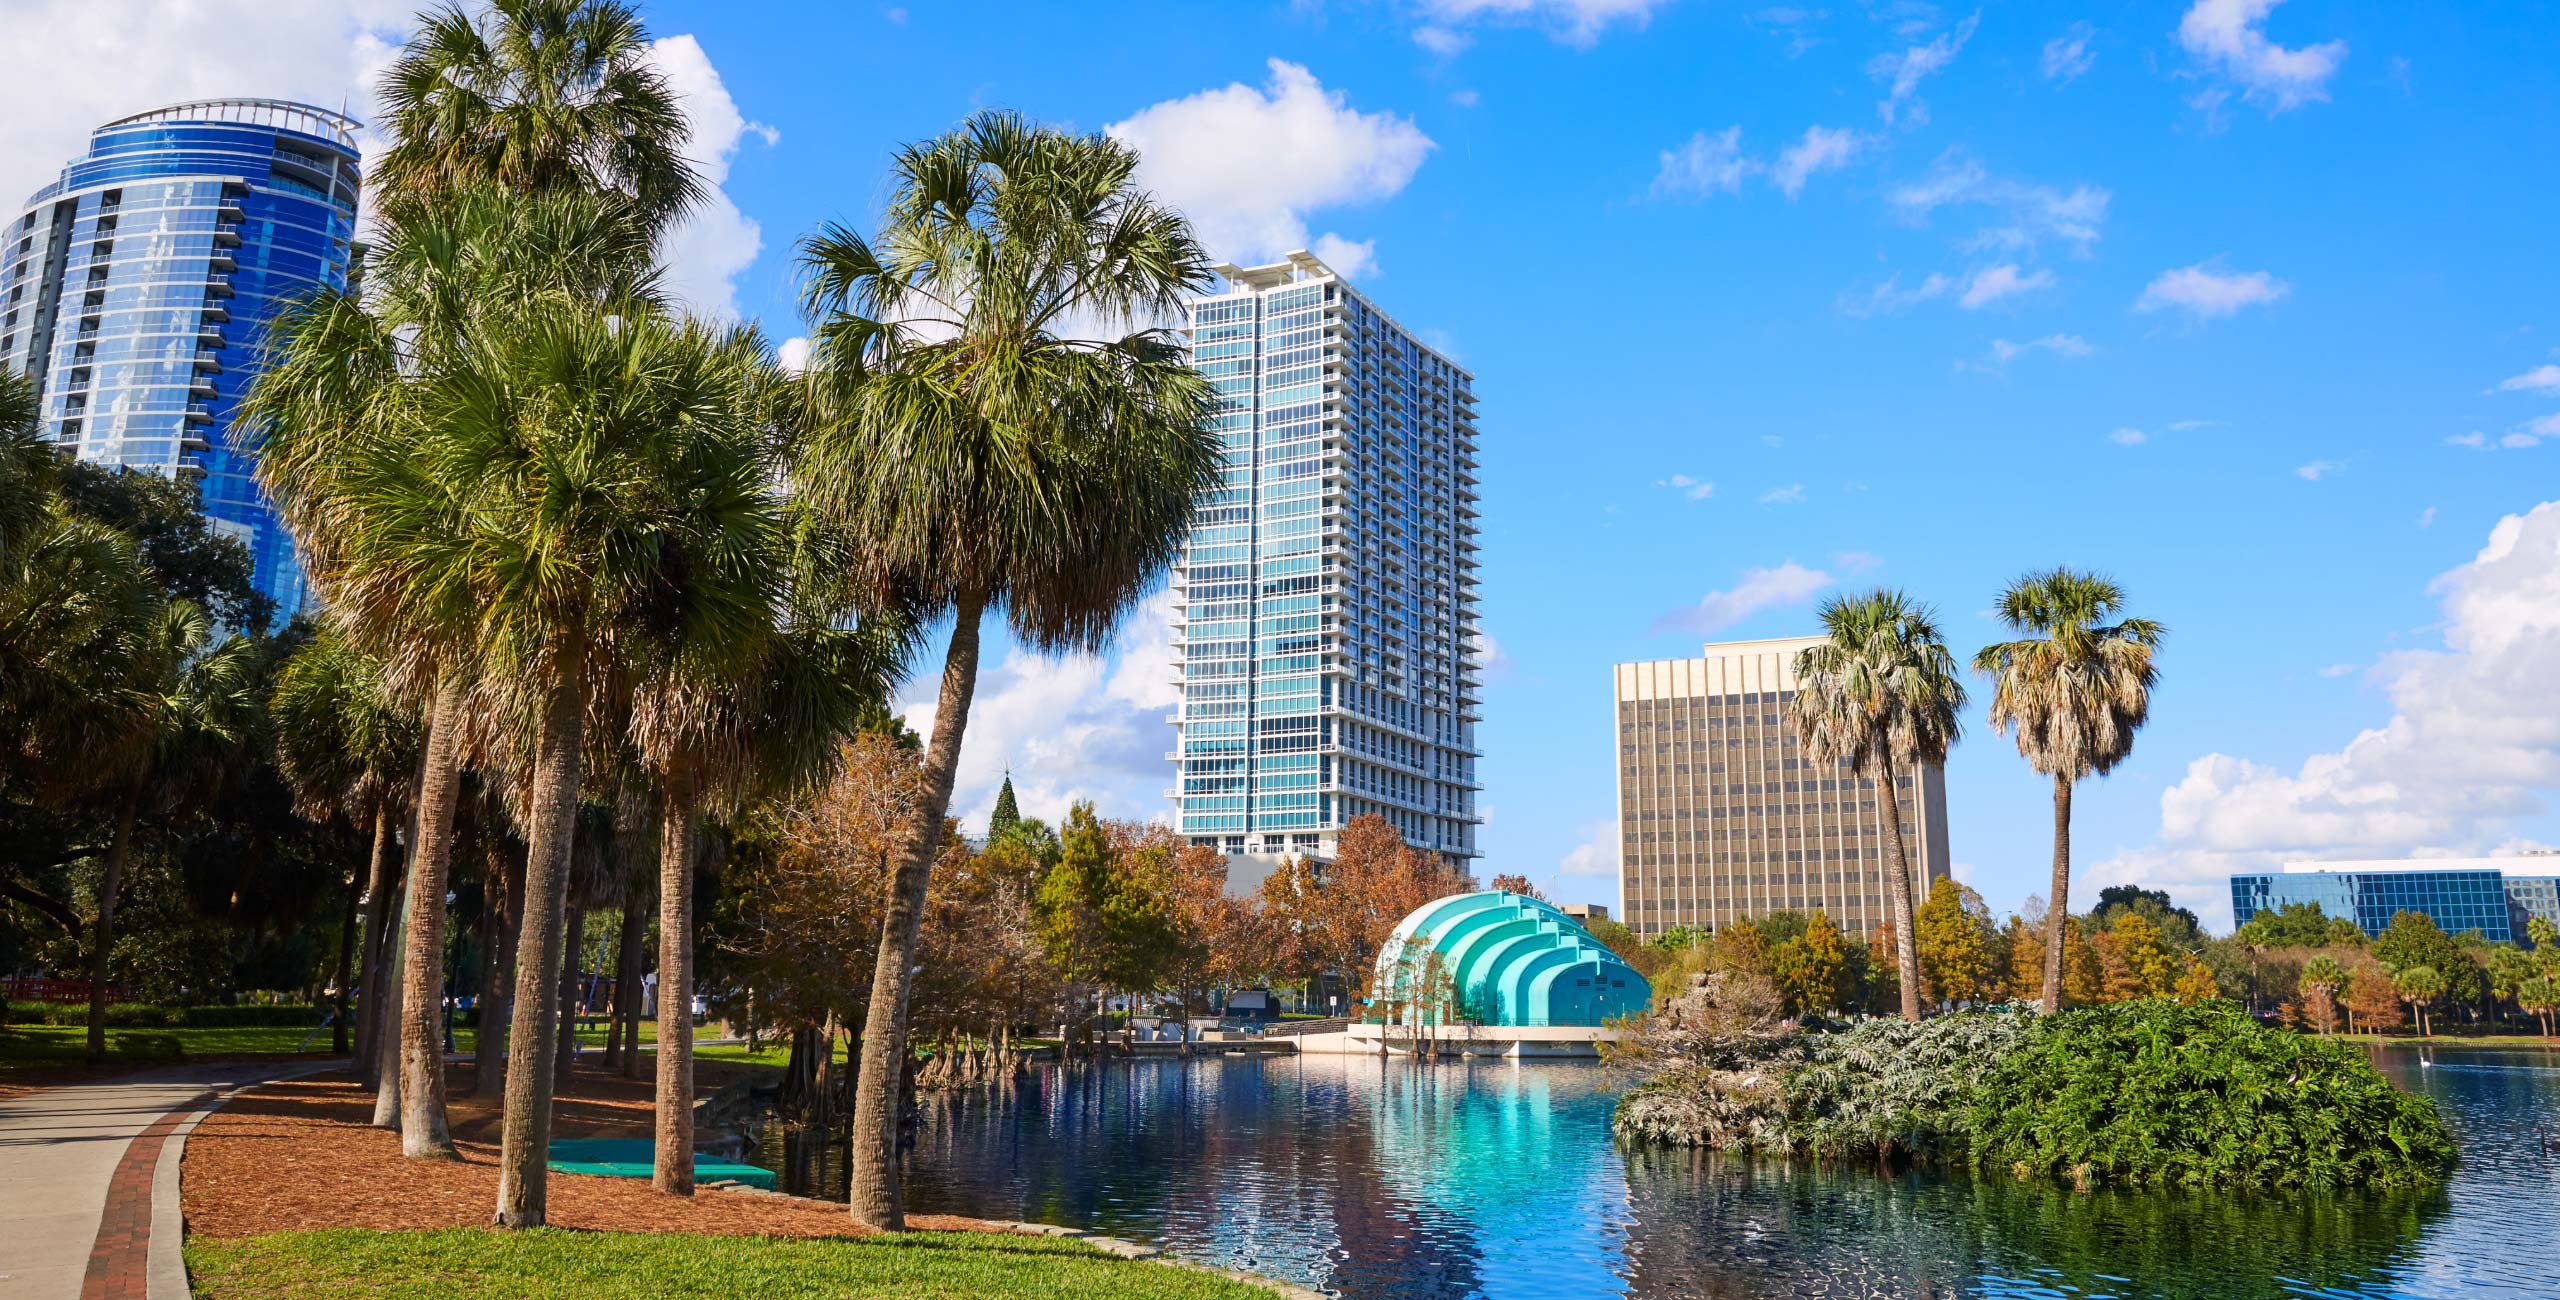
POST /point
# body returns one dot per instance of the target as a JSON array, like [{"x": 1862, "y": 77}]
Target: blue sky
[{"x": 2249, "y": 304}]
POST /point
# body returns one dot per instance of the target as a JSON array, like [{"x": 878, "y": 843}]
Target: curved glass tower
[{"x": 136, "y": 290}]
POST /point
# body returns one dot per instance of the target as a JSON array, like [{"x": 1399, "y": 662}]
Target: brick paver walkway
[{"x": 81, "y": 1177}]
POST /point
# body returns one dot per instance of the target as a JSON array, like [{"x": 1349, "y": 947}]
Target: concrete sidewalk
[{"x": 87, "y": 1211}]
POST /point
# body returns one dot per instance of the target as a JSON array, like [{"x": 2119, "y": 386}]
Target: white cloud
[
  {"x": 2519, "y": 441},
  {"x": 1596, "y": 855},
  {"x": 2068, "y": 55},
  {"x": 1492, "y": 665},
  {"x": 1247, "y": 165},
  {"x": 1353, "y": 259},
  {"x": 2229, "y": 37},
  {"x": 1067, "y": 728},
  {"x": 715, "y": 241},
  {"x": 1904, "y": 72},
  {"x": 2181, "y": 426},
  {"x": 793, "y": 355},
  {"x": 2471, "y": 749},
  {"x": 2475, "y": 440},
  {"x": 2337, "y": 670},
  {"x": 1704, "y": 166},
  {"x": 1441, "y": 41},
  {"x": 2540, "y": 379},
  {"x": 1791, "y": 494},
  {"x": 2025, "y": 213},
  {"x": 2205, "y": 293},
  {"x": 1993, "y": 283},
  {"x": 2128, "y": 437},
  {"x": 100, "y": 62},
  {"x": 2548, "y": 426},
  {"x": 1465, "y": 98},
  {"x": 1890, "y": 296},
  {"x": 2069, "y": 346},
  {"x": 1821, "y": 149},
  {"x": 1854, "y": 563},
  {"x": 2427, "y": 517},
  {"x": 1574, "y": 22},
  {"x": 2318, "y": 470},
  {"x": 1694, "y": 489},
  {"x": 1788, "y": 584}
]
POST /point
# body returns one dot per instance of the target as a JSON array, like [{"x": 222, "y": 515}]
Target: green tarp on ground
[{"x": 637, "y": 1158}]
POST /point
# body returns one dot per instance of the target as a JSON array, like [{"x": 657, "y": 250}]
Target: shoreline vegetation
[{"x": 2129, "y": 1094}]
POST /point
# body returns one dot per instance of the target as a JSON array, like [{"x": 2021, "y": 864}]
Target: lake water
[{"x": 1378, "y": 1179}]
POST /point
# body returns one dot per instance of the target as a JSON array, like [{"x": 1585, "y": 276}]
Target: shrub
[
  {"x": 1891, "y": 1088},
  {"x": 144, "y": 1015},
  {"x": 2157, "y": 1094}
]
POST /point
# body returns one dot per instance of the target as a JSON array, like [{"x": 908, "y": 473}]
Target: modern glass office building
[
  {"x": 2496, "y": 896},
  {"x": 1721, "y": 816},
  {"x": 1327, "y": 596},
  {"x": 137, "y": 288}
]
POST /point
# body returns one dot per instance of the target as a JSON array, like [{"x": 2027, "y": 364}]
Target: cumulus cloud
[
  {"x": 1068, "y": 728},
  {"x": 2205, "y": 293},
  {"x": 2068, "y": 55},
  {"x": 1903, "y": 72},
  {"x": 2025, "y": 214},
  {"x": 2318, "y": 470},
  {"x": 1788, "y": 584},
  {"x": 1820, "y": 149},
  {"x": 1692, "y": 488},
  {"x": 793, "y": 355},
  {"x": 2540, "y": 379},
  {"x": 2128, "y": 437},
  {"x": 1596, "y": 855},
  {"x": 716, "y": 241},
  {"x": 1574, "y": 22},
  {"x": 1791, "y": 494},
  {"x": 2471, "y": 749},
  {"x": 1993, "y": 283},
  {"x": 1248, "y": 164},
  {"x": 2229, "y": 38},
  {"x": 1703, "y": 167}
]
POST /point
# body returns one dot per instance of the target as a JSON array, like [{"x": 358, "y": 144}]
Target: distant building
[
  {"x": 2495, "y": 896},
  {"x": 1589, "y": 914},
  {"x": 1326, "y": 598},
  {"x": 136, "y": 291},
  {"x": 1720, "y": 817}
]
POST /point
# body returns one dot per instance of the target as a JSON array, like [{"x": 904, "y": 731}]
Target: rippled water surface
[{"x": 1374, "y": 1179}]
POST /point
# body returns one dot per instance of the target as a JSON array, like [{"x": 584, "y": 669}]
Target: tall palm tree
[
  {"x": 535, "y": 96},
  {"x": 1880, "y": 697},
  {"x": 168, "y": 722},
  {"x": 2072, "y": 688},
  {"x": 345, "y": 748},
  {"x": 978, "y": 448}
]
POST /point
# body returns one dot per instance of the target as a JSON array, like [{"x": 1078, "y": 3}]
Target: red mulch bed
[{"x": 304, "y": 1154}]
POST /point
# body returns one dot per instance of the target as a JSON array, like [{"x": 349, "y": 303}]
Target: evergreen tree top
[{"x": 1007, "y": 815}]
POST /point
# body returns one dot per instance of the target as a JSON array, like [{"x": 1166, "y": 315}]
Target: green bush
[
  {"x": 2158, "y": 1094},
  {"x": 2143, "y": 1094},
  {"x": 144, "y": 1015}
]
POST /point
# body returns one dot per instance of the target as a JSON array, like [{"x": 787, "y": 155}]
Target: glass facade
[
  {"x": 136, "y": 290},
  {"x": 2468, "y": 898},
  {"x": 1327, "y": 596}
]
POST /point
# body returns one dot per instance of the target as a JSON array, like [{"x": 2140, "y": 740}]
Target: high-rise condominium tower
[
  {"x": 137, "y": 288},
  {"x": 1720, "y": 816},
  {"x": 1327, "y": 597}
]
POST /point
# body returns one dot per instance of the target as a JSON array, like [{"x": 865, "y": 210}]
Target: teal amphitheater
[{"x": 1510, "y": 961}]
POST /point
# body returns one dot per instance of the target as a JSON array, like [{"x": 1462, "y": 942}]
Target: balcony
[
  {"x": 215, "y": 310},
  {"x": 217, "y": 286},
  {"x": 206, "y": 361},
  {"x": 226, "y": 234},
  {"x": 199, "y": 412},
  {"x": 224, "y": 259},
  {"x": 200, "y": 386},
  {"x": 209, "y": 335}
]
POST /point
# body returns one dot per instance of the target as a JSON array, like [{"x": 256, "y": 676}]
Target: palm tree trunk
[
  {"x": 346, "y": 968},
  {"x": 677, "y": 832},
  {"x": 2057, "y": 915},
  {"x": 108, "y": 888},
  {"x": 499, "y": 1000},
  {"x": 525, "y": 1143},
  {"x": 375, "y": 1020},
  {"x": 493, "y": 928},
  {"x": 1897, "y": 890},
  {"x": 574, "y": 948},
  {"x": 423, "y": 1135},
  {"x": 875, "y": 1195},
  {"x": 623, "y": 1051},
  {"x": 386, "y": 1045}
]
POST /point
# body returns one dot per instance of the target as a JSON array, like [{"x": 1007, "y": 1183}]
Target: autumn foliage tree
[
  {"x": 1955, "y": 936},
  {"x": 1334, "y": 916}
]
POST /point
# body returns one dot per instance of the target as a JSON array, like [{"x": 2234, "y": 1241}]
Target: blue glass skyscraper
[{"x": 136, "y": 290}]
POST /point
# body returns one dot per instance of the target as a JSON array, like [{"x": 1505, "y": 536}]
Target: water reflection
[{"x": 1375, "y": 1179}]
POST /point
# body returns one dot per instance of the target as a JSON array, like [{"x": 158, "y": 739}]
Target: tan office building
[{"x": 1719, "y": 815}]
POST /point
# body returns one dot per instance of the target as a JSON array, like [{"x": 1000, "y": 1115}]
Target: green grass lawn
[
  {"x": 472, "y": 1263},
  {"x": 44, "y": 1046}
]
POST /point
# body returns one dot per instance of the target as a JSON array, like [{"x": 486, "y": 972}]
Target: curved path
[{"x": 88, "y": 1203}]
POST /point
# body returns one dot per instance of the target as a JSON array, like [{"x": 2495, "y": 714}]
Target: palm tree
[
  {"x": 1880, "y": 697},
  {"x": 346, "y": 749},
  {"x": 2419, "y": 986},
  {"x": 169, "y": 720},
  {"x": 972, "y": 453},
  {"x": 535, "y": 96},
  {"x": 2073, "y": 688}
]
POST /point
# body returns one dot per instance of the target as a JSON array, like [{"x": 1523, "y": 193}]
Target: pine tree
[{"x": 1007, "y": 814}]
